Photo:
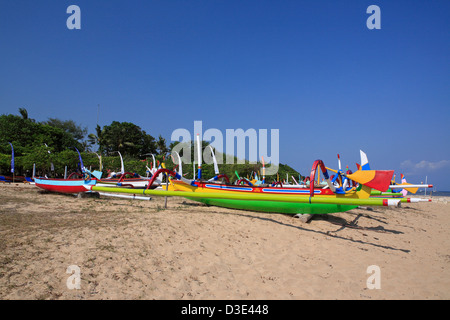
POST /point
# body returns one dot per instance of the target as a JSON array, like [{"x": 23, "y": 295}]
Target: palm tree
[
  {"x": 97, "y": 138},
  {"x": 24, "y": 113},
  {"x": 161, "y": 146}
]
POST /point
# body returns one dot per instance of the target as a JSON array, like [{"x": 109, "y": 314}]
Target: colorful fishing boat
[
  {"x": 259, "y": 200},
  {"x": 131, "y": 181},
  {"x": 265, "y": 198},
  {"x": 15, "y": 179},
  {"x": 344, "y": 192},
  {"x": 398, "y": 191},
  {"x": 331, "y": 198},
  {"x": 64, "y": 185},
  {"x": 404, "y": 187},
  {"x": 75, "y": 183},
  {"x": 339, "y": 204},
  {"x": 128, "y": 179}
]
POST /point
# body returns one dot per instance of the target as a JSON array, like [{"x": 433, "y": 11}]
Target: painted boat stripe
[
  {"x": 212, "y": 186},
  {"x": 64, "y": 182},
  {"x": 266, "y": 190},
  {"x": 289, "y": 191}
]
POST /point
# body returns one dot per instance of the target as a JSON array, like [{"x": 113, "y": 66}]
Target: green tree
[
  {"x": 161, "y": 146},
  {"x": 25, "y": 135},
  {"x": 24, "y": 113},
  {"x": 77, "y": 131},
  {"x": 29, "y": 138},
  {"x": 127, "y": 138},
  {"x": 96, "y": 138}
]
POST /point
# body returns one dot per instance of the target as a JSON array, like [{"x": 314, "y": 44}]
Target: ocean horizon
[{"x": 434, "y": 193}]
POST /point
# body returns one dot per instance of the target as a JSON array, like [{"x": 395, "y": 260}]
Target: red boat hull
[{"x": 64, "y": 185}]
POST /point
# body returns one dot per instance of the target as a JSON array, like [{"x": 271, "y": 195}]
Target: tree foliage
[
  {"x": 69, "y": 126},
  {"x": 125, "y": 137},
  {"x": 53, "y": 142},
  {"x": 26, "y": 135}
]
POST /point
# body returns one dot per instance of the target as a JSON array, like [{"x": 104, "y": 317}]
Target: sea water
[{"x": 434, "y": 193}]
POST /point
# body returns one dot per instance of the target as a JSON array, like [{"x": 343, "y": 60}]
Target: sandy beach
[{"x": 131, "y": 249}]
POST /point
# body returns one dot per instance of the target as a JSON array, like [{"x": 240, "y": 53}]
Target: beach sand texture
[{"x": 131, "y": 249}]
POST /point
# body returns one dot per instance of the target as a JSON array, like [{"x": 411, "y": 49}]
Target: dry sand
[{"x": 131, "y": 249}]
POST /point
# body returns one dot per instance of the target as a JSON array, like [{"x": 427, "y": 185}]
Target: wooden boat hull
[
  {"x": 262, "y": 206},
  {"x": 64, "y": 185},
  {"x": 276, "y": 207},
  {"x": 15, "y": 179},
  {"x": 177, "y": 185},
  {"x": 263, "y": 198},
  {"x": 265, "y": 202}
]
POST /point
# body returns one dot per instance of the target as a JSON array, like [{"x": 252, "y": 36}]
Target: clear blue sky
[{"x": 311, "y": 69}]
